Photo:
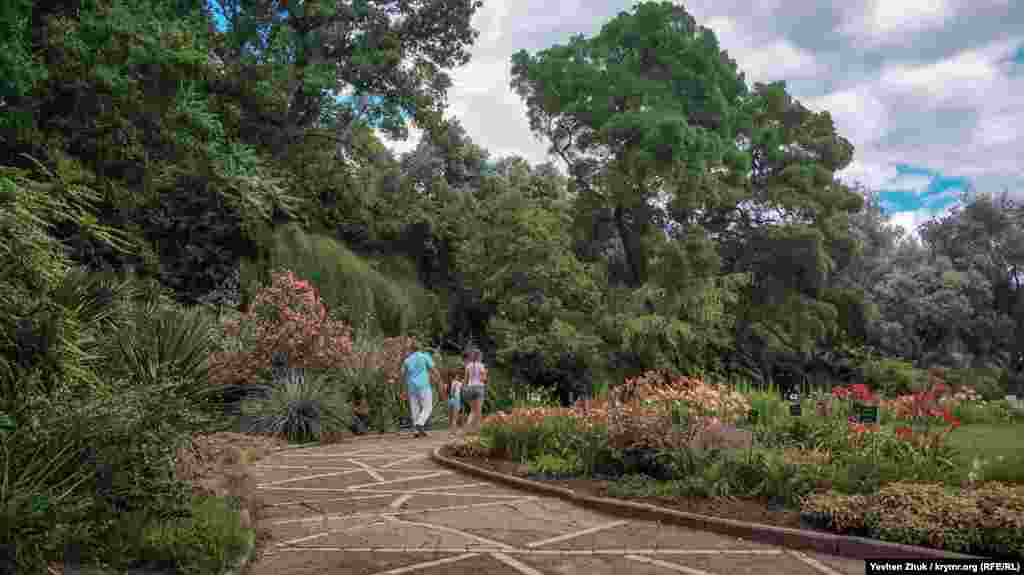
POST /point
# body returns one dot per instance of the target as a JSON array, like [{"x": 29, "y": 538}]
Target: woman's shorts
[
  {"x": 473, "y": 392},
  {"x": 454, "y": 403}
]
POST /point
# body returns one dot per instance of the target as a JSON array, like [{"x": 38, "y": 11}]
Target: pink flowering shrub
[{"x": 287, "y": 316}]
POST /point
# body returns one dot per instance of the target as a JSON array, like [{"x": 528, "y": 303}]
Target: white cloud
[
  {"x": 999, "y": 129},
  {"x": 883, "y": 22},
  {"x": 872, "y": 175},
  {"x": 859, "y": 114},
  {"x": 778, "y": 60},
  {"x": 971, "y": 77},
  {"x": 887, "y": 87}
]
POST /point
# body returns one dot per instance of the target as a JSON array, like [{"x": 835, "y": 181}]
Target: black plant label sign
[
  {"x": 867, "y": 414},
  {"x": 795, "y": 409}
]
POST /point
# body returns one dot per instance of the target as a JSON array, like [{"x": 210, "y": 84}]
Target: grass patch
[
  {"x": 989, "y": 443},
  {"x": 207, "y": 541}
]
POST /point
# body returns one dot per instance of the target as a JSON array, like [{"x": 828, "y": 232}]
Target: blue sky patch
[{"x": 917, "y": 188}]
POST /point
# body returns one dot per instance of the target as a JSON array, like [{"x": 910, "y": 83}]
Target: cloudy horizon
[{"x": 924, "y": 89}]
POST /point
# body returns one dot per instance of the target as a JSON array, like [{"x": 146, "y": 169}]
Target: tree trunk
[{"x": 631, "y": 246}]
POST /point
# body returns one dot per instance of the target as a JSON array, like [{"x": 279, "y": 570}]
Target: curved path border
[{"x": 841, "y": 545}]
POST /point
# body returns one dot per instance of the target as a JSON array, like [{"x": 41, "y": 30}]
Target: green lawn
[{"x": 991, "y": 441}]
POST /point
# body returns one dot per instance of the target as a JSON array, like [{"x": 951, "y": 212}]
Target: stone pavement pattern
[{"x": 383, "y": 507}]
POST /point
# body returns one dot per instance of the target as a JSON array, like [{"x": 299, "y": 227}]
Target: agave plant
[{"x": 301, "y": 409}]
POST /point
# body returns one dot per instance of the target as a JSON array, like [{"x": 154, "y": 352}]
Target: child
[{"x": 454, "y": 405}]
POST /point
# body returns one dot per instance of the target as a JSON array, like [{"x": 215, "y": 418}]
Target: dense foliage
[{"x": 163, "y": 160}]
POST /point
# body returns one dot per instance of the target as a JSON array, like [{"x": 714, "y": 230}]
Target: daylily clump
[{"x": 858, "y": 392}]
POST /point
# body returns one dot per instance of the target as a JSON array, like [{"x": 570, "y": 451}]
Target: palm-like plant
[
  {"x": 159, "y": 343},
  {"x": 45, "y": 312},
  {"x": 301, "y": 409}
]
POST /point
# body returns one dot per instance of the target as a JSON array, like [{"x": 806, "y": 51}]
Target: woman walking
[{"x": 475, "y": 390}]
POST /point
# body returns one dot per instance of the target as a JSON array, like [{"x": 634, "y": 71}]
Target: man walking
[{"x": 417, "y": 369}]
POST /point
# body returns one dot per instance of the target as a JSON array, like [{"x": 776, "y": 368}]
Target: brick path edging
[{"x": 841, "y": 545}]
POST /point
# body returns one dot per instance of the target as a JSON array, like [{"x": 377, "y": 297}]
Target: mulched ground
[{"x": 739, "y": 509}]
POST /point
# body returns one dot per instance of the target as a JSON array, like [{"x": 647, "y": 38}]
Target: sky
[{"x": 930, "y": 92}]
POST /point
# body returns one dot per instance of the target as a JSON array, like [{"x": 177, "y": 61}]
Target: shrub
[
  {"x": 893, "y": 377},
  {"x": 303, "y": 409},
  {"x": 838, "y": 512},
  {"x": 594, "y": 454},
  {"x": 373, "y": 371},
  {"x": 987, "y": 382},
  {"x": 348, "y": 283},
  {"x": 522, "y": 439},
  {"x": 639, "y": 485},
  {"x": 987, "y": 520},
  {"x": 78, "y": 468},
  {"x": 206, "y": 541},
  {"x": 160, "y": 342},
  {"x": 285, "y": 318},
  {"x": 555, "y": 466}
]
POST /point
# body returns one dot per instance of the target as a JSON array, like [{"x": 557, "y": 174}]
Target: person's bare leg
[
  {"x": 453, "y": 420},
  {"x": 471, "y": 418},
  {"x": 477, "y": 415}
]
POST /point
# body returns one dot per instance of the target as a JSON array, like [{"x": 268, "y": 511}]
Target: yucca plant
[
  {"x": 301, "y": 409},
  {"x": 159, "y": 343}
]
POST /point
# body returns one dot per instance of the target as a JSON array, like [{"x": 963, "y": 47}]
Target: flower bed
[{"x": 681, "y": 440}]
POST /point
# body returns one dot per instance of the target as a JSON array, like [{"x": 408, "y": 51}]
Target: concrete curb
[
  {"x": 841, "y": 545},
  {"x": 238, "y": 566}
]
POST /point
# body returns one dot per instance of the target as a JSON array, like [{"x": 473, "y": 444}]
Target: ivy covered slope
[{"x": 161, "y": 161}]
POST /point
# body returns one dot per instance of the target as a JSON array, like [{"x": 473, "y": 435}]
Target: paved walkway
[{"x": 382, "y": 507}]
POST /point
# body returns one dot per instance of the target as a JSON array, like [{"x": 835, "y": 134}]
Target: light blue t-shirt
[{"x": 417, "y": 371}]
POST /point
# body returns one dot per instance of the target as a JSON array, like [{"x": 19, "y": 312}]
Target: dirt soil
[{"x": 748, "y": 510}]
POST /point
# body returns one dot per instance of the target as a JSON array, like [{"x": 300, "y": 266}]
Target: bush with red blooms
[
  {"x": 930, "y": 422},
  {"x": 857, "y": 392},
  {"x": 287, "y": 317}
]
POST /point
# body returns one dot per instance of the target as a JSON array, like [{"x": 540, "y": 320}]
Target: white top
[{"x": 476, "y": 372}]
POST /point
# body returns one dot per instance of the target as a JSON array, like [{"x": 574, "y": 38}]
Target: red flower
[
  {"x": 862, "y": 393},
  {"x": 904, "y": 432}
]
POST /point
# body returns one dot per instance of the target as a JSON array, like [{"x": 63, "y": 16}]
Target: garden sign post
[{"x": 867, "y": 414}]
